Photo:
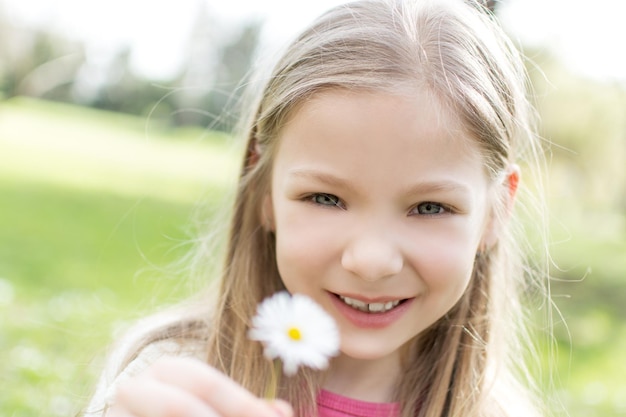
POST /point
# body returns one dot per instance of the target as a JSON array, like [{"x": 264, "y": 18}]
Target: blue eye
[
  {"x": 324, "y": 199},
  {"x": 430, "y": 208}
]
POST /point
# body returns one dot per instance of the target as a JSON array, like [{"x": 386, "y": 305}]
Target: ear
[
  {"x": 511, "y": 182},
  {"x": 267, "y": 213},
  {"x": 253, "y": 153},
  {"x": 507, "y": 193}
]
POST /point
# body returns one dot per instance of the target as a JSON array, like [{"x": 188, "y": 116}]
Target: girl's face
[{"x": 379, "y": 204}]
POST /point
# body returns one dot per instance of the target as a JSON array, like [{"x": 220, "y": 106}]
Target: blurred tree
[
  {"x": 121, "y": 90},
  {"x": 586, "y": 122},
  {"x": 37, "y": 63},
  {"x": 216, "y": 66},
  {"x": 206, "y": 92},
  {"x": 234, "y": 64}
]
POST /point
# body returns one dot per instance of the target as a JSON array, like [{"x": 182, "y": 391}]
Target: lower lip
[{"x": 371, "y": 320}]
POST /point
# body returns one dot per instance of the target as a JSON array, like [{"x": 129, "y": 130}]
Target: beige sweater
[{"x": 114, "y": 372}]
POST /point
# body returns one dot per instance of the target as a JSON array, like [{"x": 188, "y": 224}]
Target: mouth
[{"x": 373, "y": 308}]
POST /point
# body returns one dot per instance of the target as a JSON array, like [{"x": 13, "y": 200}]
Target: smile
[{"x": 370, "y": 307}]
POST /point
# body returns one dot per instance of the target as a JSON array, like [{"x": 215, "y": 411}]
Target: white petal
[{"x": 281, "y": 312}]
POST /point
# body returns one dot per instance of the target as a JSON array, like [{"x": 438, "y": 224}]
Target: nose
[{"x": 372, "y": 257}]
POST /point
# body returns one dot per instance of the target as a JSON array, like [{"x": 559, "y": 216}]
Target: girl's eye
[
  {"x": 430, "y": 208},
  {"x": 324, "y": 199}
]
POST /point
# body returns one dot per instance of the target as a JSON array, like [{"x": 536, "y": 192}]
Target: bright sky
[{"x": 588, "y": 36}]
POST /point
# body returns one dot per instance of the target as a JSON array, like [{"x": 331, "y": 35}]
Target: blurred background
[{"x": 115, "y": 148}]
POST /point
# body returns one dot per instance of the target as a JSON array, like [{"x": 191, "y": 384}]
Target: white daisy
[{"x": 296, "y": 330}]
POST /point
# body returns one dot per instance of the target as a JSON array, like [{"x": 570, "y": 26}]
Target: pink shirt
[{"x": 334, "y": 405}]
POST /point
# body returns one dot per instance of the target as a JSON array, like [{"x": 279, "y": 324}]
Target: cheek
[
  {"x": 303, "y": 250},
  {"x": 446, "y": 258},
  {"x": 445, "y": 273}
]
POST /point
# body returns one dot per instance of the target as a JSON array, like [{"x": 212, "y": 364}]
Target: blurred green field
[
  {"x": 96, "y": 206},
  {"x": 94, "y": 211}
]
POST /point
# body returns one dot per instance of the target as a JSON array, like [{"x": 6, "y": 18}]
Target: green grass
[
  {"x": 70, "y": 268},
  {"x": 88, "y": 232},
  {"x": 95, "y": 208}
]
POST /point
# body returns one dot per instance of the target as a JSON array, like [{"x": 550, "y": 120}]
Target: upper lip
[{"x": 371, "y": 300}]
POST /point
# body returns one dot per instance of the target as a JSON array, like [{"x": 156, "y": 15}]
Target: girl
[{"x": 379, "y": 180}]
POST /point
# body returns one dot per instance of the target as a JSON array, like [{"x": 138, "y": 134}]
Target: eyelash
[
  {"x": 334, "y": 201},
  {"x": 443, "y": 209}
]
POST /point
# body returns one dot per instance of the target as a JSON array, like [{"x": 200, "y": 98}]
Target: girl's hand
[{"x": 182, "y": 387}]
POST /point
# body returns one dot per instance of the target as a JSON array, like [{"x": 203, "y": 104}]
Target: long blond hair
[{"x": 462, "y": 365}]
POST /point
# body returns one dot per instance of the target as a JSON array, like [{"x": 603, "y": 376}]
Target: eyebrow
[
  {"x": 422, "y": 187},
  {"x": 320, "y": 176},
  {"x": 447, "y": 186}
]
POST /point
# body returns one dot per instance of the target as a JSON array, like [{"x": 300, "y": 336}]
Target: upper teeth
[{"x": 369, "y": 307}]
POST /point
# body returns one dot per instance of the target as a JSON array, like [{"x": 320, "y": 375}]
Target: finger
[
  {"x": 282, "y": 407},
  {"x": 225, "y": 396},
  {"x": 146, "y": 397}
]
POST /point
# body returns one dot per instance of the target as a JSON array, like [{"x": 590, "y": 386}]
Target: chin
[{"x": 369, "y": 352}]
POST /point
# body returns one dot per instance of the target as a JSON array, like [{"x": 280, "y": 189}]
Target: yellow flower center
[{"x": 294, "y": 334}]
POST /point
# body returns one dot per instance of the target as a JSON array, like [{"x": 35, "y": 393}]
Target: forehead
[
  {"x": 413, "y": 117},
  {"x": 369, "y": 133}
]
